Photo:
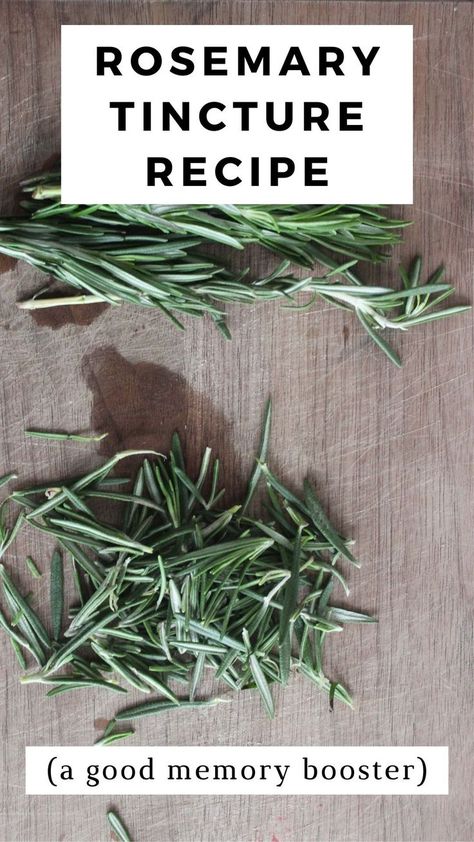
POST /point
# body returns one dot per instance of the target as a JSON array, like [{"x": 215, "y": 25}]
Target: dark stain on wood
[
  {"x": 7, "y": 263},
  {"x": 51, "y": 163},
  {"x": 141, "y": 404}
]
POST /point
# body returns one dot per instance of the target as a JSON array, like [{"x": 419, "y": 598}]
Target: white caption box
[
  {"x": 237, "y": 770},
  {"x": 101, "y": 164}
]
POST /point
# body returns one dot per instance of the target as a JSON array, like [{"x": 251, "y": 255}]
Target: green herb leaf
[
  {"x": 261, "y": 458},
  {"x": 57, "y": 593},
  {"x": 262, "y": 685},
  {"x": 152, "y": 708},
  {"x": 109, "y": 739},
  {"x": 40, "y": 434},
  {"x": 323, "y": 525},
  {"x": 118, "y": 827},
  {"x": 7, "y": 478},
  {"x": 33, "y": 568}
]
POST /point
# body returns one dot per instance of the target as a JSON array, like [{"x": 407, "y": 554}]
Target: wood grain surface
[{"x": 391, "y": 452}]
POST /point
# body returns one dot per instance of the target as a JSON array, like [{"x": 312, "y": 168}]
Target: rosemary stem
[
  {"x": 47, "y": 191},
  {"x": 61, "y": 301}
]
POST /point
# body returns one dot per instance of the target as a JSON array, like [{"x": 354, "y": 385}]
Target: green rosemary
[
  {"x": 118, "y": 827},
  {"x": 40, "y": 434},
  {"x": 183, "y": 587},
  {"x": 156, "y": 256}
]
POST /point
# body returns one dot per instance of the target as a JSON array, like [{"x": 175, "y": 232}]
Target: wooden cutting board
[{"x": 391, "y": 453}]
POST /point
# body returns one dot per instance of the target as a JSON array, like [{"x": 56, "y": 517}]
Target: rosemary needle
[
  {"x": 182, "y": 587},
  {"x": 57, "y": 593},
  {"x": 118, "y": 827},
  {"x": 113, "y": 737},
  {"x": 152, "y": 708},
  {"x": 40, "y": 434},
  {"x": 32, "y": 567},
  {"x": 7, "y": 478}
]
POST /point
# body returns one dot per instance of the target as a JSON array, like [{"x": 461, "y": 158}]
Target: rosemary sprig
[
  {"x": 302, "y": 234},
  {"x": 184, "y": 587},
  {"x": 155, "y": 256}
]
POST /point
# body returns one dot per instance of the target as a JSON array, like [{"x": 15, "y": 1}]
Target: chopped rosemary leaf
[
  {"x": 118, "y": 827},
  {"x": 156, "y": 256},
  {"x": 57, "y": 593},
  {"x": 7, "y": 478},
  {"x": 152, "y": 708},
  {"x": 113, "y": 737},
  {"x": 181, "y": 587},
  {"x": 32, "y": 567},
  {"x": 40, "y": 434}
]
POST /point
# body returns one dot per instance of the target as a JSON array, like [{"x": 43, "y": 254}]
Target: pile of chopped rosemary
[
  {"x": 183, "y": 588},
  {"x": 157, "y": 256}
]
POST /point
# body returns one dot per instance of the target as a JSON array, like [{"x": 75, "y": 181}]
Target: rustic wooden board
[{"x": 391, "y": 451}]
